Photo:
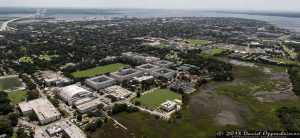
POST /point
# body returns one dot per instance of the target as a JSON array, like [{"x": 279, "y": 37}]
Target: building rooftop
[
  {"x": 118, "y": 91},
  {"x": 89, "y": 104},
  {"x": 163, "y": 71},
  {"x": 100, "y": 79},
  {"x": 126, "y": 72},
  {"x": 69, "y": 91},
  {"x": 143, "y": 78},
  {"x": 163, "y": 63},
  {"x": 168, "y": 104},
  {"x": 43, "y": 108}
]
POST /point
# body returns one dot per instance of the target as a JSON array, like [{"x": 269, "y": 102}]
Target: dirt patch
[{"x": 222, "y": 109}]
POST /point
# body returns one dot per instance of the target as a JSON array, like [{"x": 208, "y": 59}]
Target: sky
[{"x": 254, "y": 5}]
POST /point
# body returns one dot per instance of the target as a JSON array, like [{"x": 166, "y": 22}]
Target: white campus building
[
  {"x": 72, "y": 93},
  {"x": 51, "y": 78},
  {"x": 118, "y": 92},
  {"x": 43, "y": 108},
  {"x": 164, "y": 63},
  {"x": 126, "y": 74},
  {"x": 147, "y": 68},
  {"x": 100, "y": 82},
  {"x": 163, "y": 72},
  {"x": 168, "y": 105}
]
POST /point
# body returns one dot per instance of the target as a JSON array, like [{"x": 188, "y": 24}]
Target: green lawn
[
  {"x": 198, "y": 42},
  {"x": 98, "y": 70},
  {"x": 154, "y": 99},
  {"x": 162, "y": 45},
  {"x": 285, "y": 61},
  {"x": 8, "y": 83},
  {"x": 48, "y": 57},
  {"x": 212, "y": 52},
  {"x": 17, "y": 97},
  {"x": 26, "y": 59}
]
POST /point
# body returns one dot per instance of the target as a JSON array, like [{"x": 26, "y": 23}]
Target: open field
[
  {"x": 219, "y": 106},
  {"x": 26, "y": 59},
  {"x": 8, "y": 83},
  {"x": 98, "y": 70},
  {"x": 197, "y": 42},
  {"x": 212, "y": 52},
  {"x": 154, "y": 99},
  {"x": 285, "y": 61},
  {"x": 17, "y": 97}
]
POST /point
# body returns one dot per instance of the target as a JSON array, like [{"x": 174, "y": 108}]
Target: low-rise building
[
  {"x": 147, "y": 68},
  {"x": 163, "y": 72},
  {"x": 100, "y": 82},
  {"x": 51, "y": 78},
  {"x": 164, "y": 63},
  {"x": 72, "y": 93},
  {"x": 118, "y": 92},
  {"x": 69, "y": 128},
  {"x": 43, "y": 108},
  {"x": 143, "y": 78},
  {"x": 126, "y": 74},
  {"x": 168, "y": 105},
  {"x": 88, "y": 106}
]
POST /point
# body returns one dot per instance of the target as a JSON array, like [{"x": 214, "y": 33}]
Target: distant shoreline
[{"x": 277, "y": 14}]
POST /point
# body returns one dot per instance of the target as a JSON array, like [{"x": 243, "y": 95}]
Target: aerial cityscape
[{"x": 125, "y": 69}]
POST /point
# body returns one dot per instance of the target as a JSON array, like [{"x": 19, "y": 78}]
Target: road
[
  {"x": 5, "y": 26},
  {"x": 285, "y": 48},
  {"x": 117, "y": 123}
]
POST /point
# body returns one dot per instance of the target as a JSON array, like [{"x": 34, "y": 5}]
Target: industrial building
[
  {"x": 51, "y": 78},
  {"x": 118, "y": 92},
  {"x": 100, "y": 82},
  {"x": 168, "y": 105},
  {"x": 88, "y": 105},
  {"x": 164, "y": 64},
  {"x": 43, "y": 108},
  {"x": 163, "y": 72},
  {"x": 72, "y": 93},
  {"x": 147, "y": 68},
  {"x": 126, "y": 74}
]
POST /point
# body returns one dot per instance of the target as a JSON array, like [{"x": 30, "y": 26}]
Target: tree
[
  {"x": 31, "y": 95},
  {"x": 137, "y": 103},
  {"x": 99, "y": 123},
  {"x": 92, "y": 127},
  {"x": 5, "y": 106},
  {"x": 100, "y": 107},
  {"x": 138, "y": 94},
  {"x": 21, "y": 134},
  {"x": 105, "y": 119},
  {"x": 13, "y": 119},
  {"x": 6, "y": 128},
  {"x": 33, "y": 117},
  {"x": 185, "y": 99},
  {"x": 79, "y": 117}
]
